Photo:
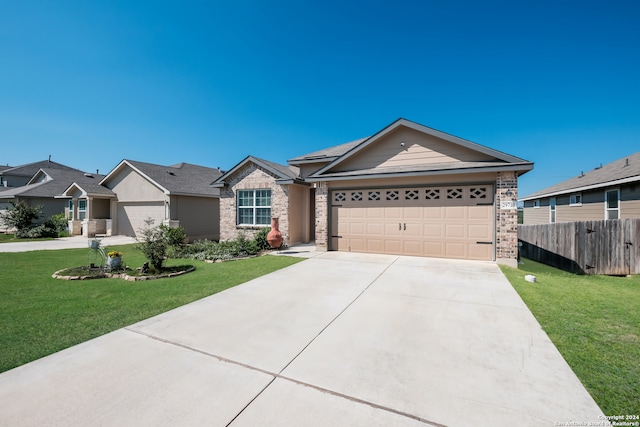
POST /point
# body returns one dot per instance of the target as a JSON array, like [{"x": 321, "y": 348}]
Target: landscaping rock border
[{"x": 123, "y": 276}]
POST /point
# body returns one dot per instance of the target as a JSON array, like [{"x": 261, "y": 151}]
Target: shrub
[
  {"x": 261, "y": 239},
  {"x": 59, "y": 223},
  {"x": 175, "y": 236},
  {"x": 21, "y": 216},
  {"x": 154, "y": 244},
  {"x": 208, "y": 250}
]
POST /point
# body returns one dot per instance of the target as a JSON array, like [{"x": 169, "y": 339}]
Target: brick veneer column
[
  {"x": 322, "y": 216},
  {"x": 506, "y": 220}
]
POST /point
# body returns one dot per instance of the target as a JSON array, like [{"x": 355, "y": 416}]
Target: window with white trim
[
  {"x": 612, "y": 204},
  {"x": 552, "y": 210},
  {"x": 82, "y": 209},
  {"x": 575, "y": 199},
  {"x": 536, "y": 203},
  {"x": 254, "y": 207}
]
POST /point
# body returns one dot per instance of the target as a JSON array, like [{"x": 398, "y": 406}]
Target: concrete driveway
[
  {"x": 340, "y": 339},
  {"x": 63, "y": 243}
]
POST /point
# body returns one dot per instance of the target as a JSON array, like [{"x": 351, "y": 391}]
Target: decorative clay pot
[{"x": 274, "y": 238}]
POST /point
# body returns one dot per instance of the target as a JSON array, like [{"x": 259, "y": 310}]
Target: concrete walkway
[
  {"x": 63, "y": 243},
  {"x": 340, "y": 339}
]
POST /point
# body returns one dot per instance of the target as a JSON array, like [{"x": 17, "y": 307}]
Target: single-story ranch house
[
  {"x": 611, "y": 191},
  {"x": 133, "y": 192},
  {"x": 43, "y": 188},
  {"x": 408, "y": 189}
]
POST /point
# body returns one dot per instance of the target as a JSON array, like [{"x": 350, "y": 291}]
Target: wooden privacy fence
[{"x": 585, "y": 247}]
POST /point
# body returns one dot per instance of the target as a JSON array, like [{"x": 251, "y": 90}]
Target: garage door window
[{"x": 254, "y": 207}]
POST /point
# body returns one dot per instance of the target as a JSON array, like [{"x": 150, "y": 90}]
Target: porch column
[
  {"x": 322, "y": 216},
  {"x": 507, "y": 219}
]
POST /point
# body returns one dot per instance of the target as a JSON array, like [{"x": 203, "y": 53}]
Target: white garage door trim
[{"x": 446, "y": 221}]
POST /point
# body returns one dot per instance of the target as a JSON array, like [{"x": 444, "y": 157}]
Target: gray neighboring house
[
  {"x": 607, "y": 192},
  {"x": 17, "y": 176},
  {"x": 45, "y": 188},
  {"x": 177, "y": 195}
]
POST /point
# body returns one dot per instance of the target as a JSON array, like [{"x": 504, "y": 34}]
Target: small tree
[
  {"x": 21, "y": 216},
  {"x": 154, "y": 244}
]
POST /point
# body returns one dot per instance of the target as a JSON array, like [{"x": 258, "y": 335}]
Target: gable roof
[
  {"x": 30, "y": 169},
  {"x": 50, "y": 182},
  {"x": 502, "y": 161},
  {"x": 617, "y": 172},
  {"x": 179, "y": 179},
  {"x": 327, "y": 154},
  {"x": 283, "y": 174}
]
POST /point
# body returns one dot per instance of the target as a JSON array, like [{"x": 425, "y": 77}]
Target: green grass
[
  {"x": 594, "y": 321},
  {"x": 8, "y": 238},
  {"x": 40, "y": 315}
]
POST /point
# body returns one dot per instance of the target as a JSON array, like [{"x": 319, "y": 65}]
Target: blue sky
[{"x": 93, "y": 82}]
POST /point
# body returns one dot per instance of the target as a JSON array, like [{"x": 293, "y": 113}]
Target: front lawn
[
  {"x": 594, "y": 321},
  {"x": 40, "y": 315},
  {"x": 8, "y": 238}
]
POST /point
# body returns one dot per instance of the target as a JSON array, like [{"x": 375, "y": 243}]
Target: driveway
[
  {"x": 340, "y": 339},
  {"x": 63, "y": 243}
]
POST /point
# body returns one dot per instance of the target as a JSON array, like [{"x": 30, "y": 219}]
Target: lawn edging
[{"x": 123, "y": 276}]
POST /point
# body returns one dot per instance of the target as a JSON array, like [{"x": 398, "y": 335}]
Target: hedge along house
[
  {"x": 178, "y": 195},
  {"x": 408, "y": 190},
  {"x": 607, "y": 192}
]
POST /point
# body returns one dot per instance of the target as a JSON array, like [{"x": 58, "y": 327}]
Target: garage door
[
  {"x": 132, "y": 216},
  {"x": 446, "y": 221}
]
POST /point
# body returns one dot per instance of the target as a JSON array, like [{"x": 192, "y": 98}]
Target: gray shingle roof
[
  {"x": 182, "y": 178},
  {"x": 60, "y": 180},
  {"x": 626, "y": 168},
  {"x": 31, "y": 169},
  {"x": 327, "y": 154}
]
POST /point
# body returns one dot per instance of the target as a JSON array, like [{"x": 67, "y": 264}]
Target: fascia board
[{"x": 515, "y": 168}]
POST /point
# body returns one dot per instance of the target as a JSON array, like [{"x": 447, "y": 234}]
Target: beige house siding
[
  {"x": 198, "y": 216},
  {"x": 531, "y": 215},
  {"x": 299, "y": 214},
  {"x": 249, "y": 177},
  {"x": 591, "y": 208},
  {"x": 100, "y": 208},
  {"x": 630, "y": 201},
  {"x": 308, "y": 169},
  {"x": 131, "y": 187},
  {"x": 406, "y": 147}
]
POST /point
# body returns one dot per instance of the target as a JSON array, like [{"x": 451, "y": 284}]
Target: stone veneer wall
[
  {"x": 252, "y": 177},
  {"x": 506, "y": 220},
  {"x": 322, "y": 216}
]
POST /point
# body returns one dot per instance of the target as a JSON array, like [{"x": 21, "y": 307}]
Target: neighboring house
[
  {"x": 611, "y": 191},
  {"x": 178, "y": 195},
  {"x": 44, "y": 189},
  {"x": 408, "y": 189},
  {"x": 17, "y": 176}
]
